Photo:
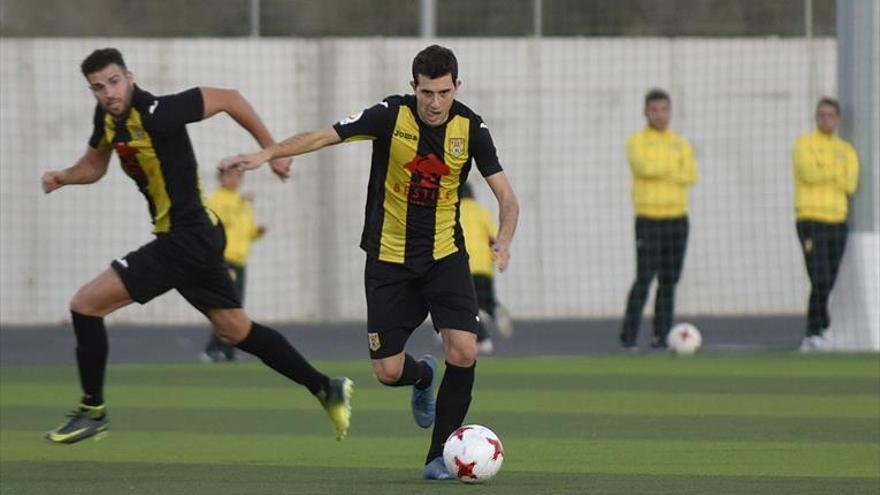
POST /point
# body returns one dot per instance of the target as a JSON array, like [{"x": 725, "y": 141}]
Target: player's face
[
  {"x": 657, "y": 113},
  {"x": 827, "y": 118},
  {"x": 112, "y": 87},
  {"x": 434, "y": 98}
]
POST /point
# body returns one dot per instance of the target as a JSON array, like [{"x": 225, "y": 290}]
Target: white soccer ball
[
  {"x": 473, "y": 454},
  {"x": 684, "y": 339}
]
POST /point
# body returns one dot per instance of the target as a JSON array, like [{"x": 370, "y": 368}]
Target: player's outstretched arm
[
  {"x": 87, "y": 170},
  {"x": 508, "y": 213},
  {"x": 304, "y": 142},
  {"x": 236, "y": 106}
]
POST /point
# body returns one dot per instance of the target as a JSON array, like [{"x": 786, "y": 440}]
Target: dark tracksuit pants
[
  {"x": 660, "y": 250},
  {"x": 823, "y": 245},
  {"x": 485, "y": 288}
]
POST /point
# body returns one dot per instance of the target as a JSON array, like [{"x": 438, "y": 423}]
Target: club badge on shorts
[{"x": 375, "y": 343}]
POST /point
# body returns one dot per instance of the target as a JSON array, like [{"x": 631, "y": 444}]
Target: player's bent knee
[
  {"x": 231, "y": 334},
  {"x": 386, "y": 378},
  {"x": 462, "y": 355},
  {"x": 387, "y": 372},
  {"x": 231, "y": 326},
  {"x": 81, "y": 303}
]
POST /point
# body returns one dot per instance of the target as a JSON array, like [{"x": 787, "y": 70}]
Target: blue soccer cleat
[
  {"x": 436, "y": 470},
  {"x": 423, "y": 402}
]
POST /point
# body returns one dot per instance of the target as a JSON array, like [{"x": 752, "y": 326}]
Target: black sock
[
  {"x": 453, "y": 400},
  {"x": 91, "y": 356},
  {"x": 277, "y": 353},
  {"x": 416, "y": 373}
]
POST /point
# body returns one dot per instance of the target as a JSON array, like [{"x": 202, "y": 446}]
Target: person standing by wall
[
  {"x": 479, "y": 234},
  {"x": 826, "y": 173},
  {"x": 663, "y": 170},
  {"x": 237, "y": 216}
]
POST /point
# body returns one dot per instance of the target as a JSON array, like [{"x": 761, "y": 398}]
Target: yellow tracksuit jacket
[
  {"x": 238, "y": 221},
  {"x": 826, "y": 171},
  {"x": 663, "y": 169},
  {"x": 478, "y": 227}
]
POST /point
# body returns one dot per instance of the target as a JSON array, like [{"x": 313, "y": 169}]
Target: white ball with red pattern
[
  {"x": 684, "y": 339},
  {"x": 473, "y": 454}
]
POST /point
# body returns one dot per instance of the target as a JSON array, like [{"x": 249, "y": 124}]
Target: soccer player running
[
  {"x": 663, "y": 170},
  {"x": 826, "y": 173},
  {"x": 149, "y": 135},
  {"x": 423, "y": 146}
]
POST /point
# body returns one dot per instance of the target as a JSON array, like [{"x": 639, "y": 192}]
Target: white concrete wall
[{"x": 560, "y": 111}]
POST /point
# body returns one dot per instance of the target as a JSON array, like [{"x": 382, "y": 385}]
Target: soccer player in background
[
  {"x": 826, "y": 173},
  {"x": 149, "y": 135},
  {"x": 479, "y": 234},
  {"x": 423, "y": 147},
  {"x": 237, "y": 217},
  {"x": 663, "y": 170}
]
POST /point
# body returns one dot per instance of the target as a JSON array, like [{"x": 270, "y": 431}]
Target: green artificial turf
[{"x": 653, "y": 424}]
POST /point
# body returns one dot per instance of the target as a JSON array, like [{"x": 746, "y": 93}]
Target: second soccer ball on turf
[
  {"x": 684, "y": 339},
  {"x": 473, "y": 454}
]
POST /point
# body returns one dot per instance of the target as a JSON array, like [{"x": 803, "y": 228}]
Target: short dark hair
[
  {"x": 101, "y": 58},
  {"x": 656, "y": 94},
  {"x": 433, "y": 62},
  {"x": 831, "y": 102}
]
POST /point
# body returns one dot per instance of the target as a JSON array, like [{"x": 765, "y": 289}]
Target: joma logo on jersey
[
  {"x": 405, "y": 135},
  {"x": 455, "y": 146}
]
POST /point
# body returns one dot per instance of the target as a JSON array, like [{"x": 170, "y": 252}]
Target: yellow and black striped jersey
[
  {"x": 155, "y": 151},
  {"x": 412, "y": 212}
]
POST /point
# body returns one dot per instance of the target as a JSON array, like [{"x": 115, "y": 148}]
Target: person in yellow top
[
  {"x": 826, "y": 173},
  {"x": 237, "y": 216},
  {"x": 479, "y": 229},
  {"x": 663, "y": 169}
]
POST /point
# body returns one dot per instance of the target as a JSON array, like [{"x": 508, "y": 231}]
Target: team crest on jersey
[
  {"x": 456, "y": 146},
  {"x": 375, "y": 343}
]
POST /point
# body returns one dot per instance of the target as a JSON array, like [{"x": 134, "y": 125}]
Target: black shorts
[
  {"x": 189, "y": 260},
  {"x": 399, "y": 298}
]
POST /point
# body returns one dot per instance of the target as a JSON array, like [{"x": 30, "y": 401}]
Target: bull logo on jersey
[
  {"x": 426, "y": 174},
  {"x": 129, "y": 161},
  {"x": 456, "y": 146}
]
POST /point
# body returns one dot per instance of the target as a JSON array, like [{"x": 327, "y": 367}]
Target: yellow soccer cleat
[{"x": 337, "y": 403}]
